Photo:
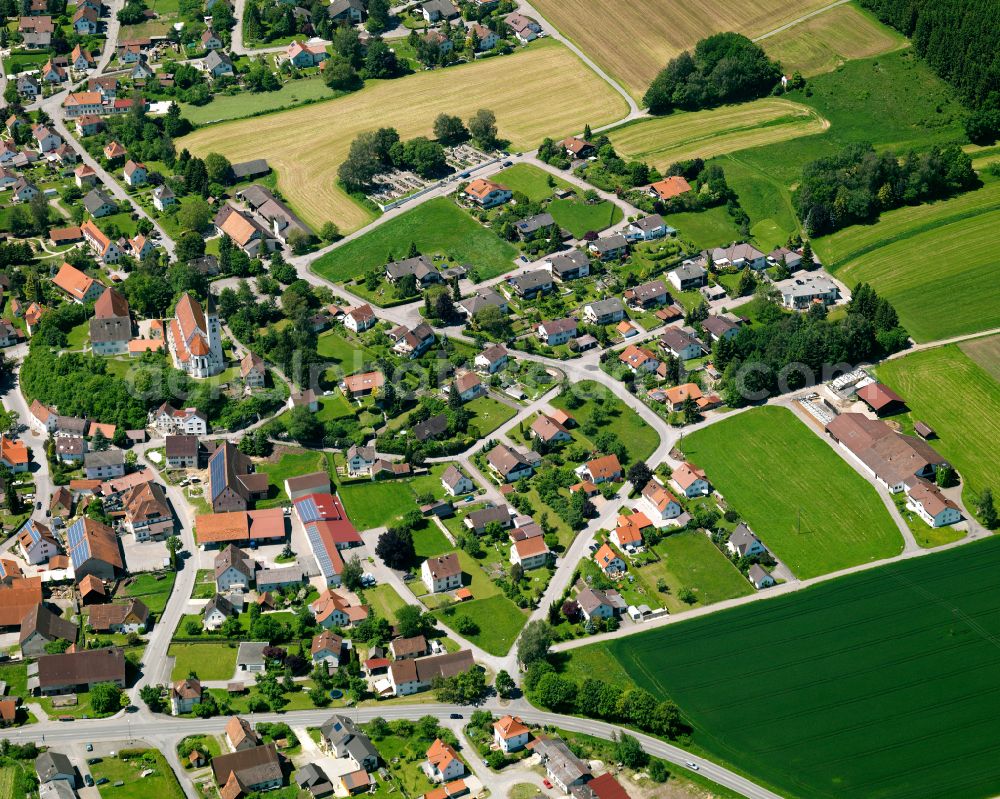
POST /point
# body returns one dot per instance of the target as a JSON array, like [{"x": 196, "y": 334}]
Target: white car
[{"x": 690, "y": 765}]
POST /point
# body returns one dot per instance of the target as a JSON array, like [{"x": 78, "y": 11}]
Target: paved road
[
  {"x": 166, "y": 731},
  {"x": 111, "y": 34}
]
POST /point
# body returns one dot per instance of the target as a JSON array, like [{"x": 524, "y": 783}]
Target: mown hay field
[
  {"x": 935, "y": 263},
  {"x": 879, "y": 684},
  {"x": 954, "y": 391},
  {"x": 809, "y": 507},
  {"x": 306, "y": 145},
  {"x": 634, "y": 41},
  {"x": 824, "y": 42},
  {"x": 661, "y": 141}
]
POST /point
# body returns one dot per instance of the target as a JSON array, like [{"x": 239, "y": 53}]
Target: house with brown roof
[
  {"x": 414, "y": 647},
  {"x": 247, "y": 771},
  {"x": 104, "y": 249},
  {"x": 76, "y": 671},
  {"x": 362, "y": 385},
  {"x": 443, "y": 763},
  {"x": 576, "y": 147},
  {"x": 194, "y": 338},
  {"x": 690, "y": 480},
  {"x": 360, "y": 318},
  {"x": 881, "y": 399},
  {"x": 18, "y": 596},
  {"x": 408, "y": 677},
  {"x": 929, "y": 502},
  {"x": 233, "y": 486},
  {"x": 442, "y": 573},
  {"x": 147, "y": 513},
  {"x": 252, "y": 371},
  {"x": 891, "y": 457},
  {"x": 93, "y": 549},
  {"x": 668, "y": 188},
  {"x": 41, "y": 627},
  {"x": 660, "y": 505},
  {"x": 549, "y": 431},
  {"x": 92, "y": 590},
  {"x": 240, "y": 734},
  {"x": 530, "y": 553},
  {"x": 509, "y": 464},
  {"x": 184, "y": 695},
  {"x": 131, "y": 617},
  {"x": 326, "y": 647}
]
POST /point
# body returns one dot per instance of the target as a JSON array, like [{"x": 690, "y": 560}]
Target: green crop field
[
  {"x": 438, "y": 227},
  {"x": 879, "y": 684},
  {"x": 956, "y": 396},
  {"x": 965, "y": 272},
  {"x": 809, "y": 507}
]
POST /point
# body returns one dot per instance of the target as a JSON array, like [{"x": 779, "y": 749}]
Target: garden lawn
[
  {"x": 428, "y": 540},
  {"x": 952, "y": 393},
  {"x": 210, "y": 661},
  {"x": 711, "y": 228},
  {"x": 79, "y": 336},
  {"x": 377, "y": 503},
  {"x": 638, "y": 437},
  {"x": 153, "y": 592},
  {"x": 437, "y": 227},
  {"x": 349, "y": 353},
  {"x": 809, "y": 507},
  {"x": 499, "y": 621},
  {"x": 384, "y": 600},
  {"x": 691, "y": 560},
  {"x": 291, "y": 464},
  {"x": 580, "y": 218},
  {"x": 245, "y": 104},
  {"x": 488, "y": 414},
  {"x": 162, "y": 783},
  {"x": 907, "y": 650},
  {"x": 531, "y": 181}
]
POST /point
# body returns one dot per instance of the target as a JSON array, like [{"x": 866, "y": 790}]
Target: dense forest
[
  {"x": 724, "y": 68},
  {"x": 857, "y": 184},
  {"x": 961, "y": 41}
]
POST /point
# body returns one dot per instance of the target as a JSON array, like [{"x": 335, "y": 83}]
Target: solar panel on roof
[
  {"x": 217, "y": 473},
  {"x": 308, "y": 511},
  {"x": 80, "y": 553},
  {"x": 75, "y": 533},
  {"x": 319, "y": 551}
]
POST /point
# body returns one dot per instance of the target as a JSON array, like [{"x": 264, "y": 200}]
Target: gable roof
[
  {"x": 73, "y": 281},
  {"x": 48, "y": 625}
]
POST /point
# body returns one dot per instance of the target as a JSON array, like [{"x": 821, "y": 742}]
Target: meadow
[
  {"x": 949, "y": 390},
  {"x": 306, "y": 145},
  {"x": 824, "y": 42},
  {"x": 661, "y": 141},
  {"x": 985, "y": 352},
  {"x": 654, "y": 32},
  {"x": 809, "y": 507},
  {"x": 437, "y": 227},
  {"x": 878, "y": 684},
  {"x": 531, "y": 181},
  {"x": 936, "y": 259},
  {"x": 690, "y": 560}
]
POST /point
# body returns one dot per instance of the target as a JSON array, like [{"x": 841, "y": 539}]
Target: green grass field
[
  {"x": 349, "y": 353},
  {"x": 809, "y": 507},
  {"x": 638, "y": 437},
  {"x": 579, "y": 218},
  {"x": 948, "y": 390},
  {"x": 210, "y": 661},
  {"x": 291, "y": 464},
  {"x": 438, "y": 227},
  {"x": 429, "y": 541},
  {"x": 488, "y": 414},
  {"x": 985, "y": 352},
  {"x": 691, "y": 560},
  {"x": 880, "y": 684},
  {"x": 704, "y": 229},
  {"x": 384, "y": 600},
  {"x": 381, "y": 502},
  {"x": 152, "y": 591},
  {"x": 162, "y": 783},
  {"x": 890, "y": 254},
  {"x": 244, "y": 104},
  {"x": 767, "y": 203},
  {"x": 531, "y": 181},
  {"x": 499, "y": 621}
]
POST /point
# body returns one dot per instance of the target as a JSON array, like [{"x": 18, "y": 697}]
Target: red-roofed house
[{"x": 78, "y": 286}]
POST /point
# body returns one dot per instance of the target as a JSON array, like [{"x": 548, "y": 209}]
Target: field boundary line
[
  {"x": 803, "y": 18},
  {"x": 909, "y": 233}
]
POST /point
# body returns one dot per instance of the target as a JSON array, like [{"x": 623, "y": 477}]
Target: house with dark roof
[
  {"x": 93, "y": 548},
  {"x": 432, "y": 428},
  {"x": 42, "y": 627},
  {"x": 252, "y": 770},
  {"x": 509, "y": 464},
  {"x": 604, "y": 312},
  {"x": 420, "y": 266},
  {"x": 341, "y": 737},
  {"x": 532, "y": 226},
  {"x": 568, "y": 265},
  {"x": 73, "y": 672},
  {"x": 529, "y": 285},
  {"x": 881, "y": 399},
  {"x": 129, "y": 617},
  {"x": 233, "y": 486}
]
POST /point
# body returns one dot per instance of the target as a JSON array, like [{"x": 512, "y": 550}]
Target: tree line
[
  {"x": 960, "y": 39},
  {"x": 858, "y": 183}
]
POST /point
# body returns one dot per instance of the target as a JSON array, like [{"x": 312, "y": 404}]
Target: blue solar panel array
[
  {"x": 78, "y": 543},
  {"x": 319, "y": 551},
  {"x": 217, "y": 472},
  {"x": 33, "y": 531},
  {"x": 308, "y": 511}
]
